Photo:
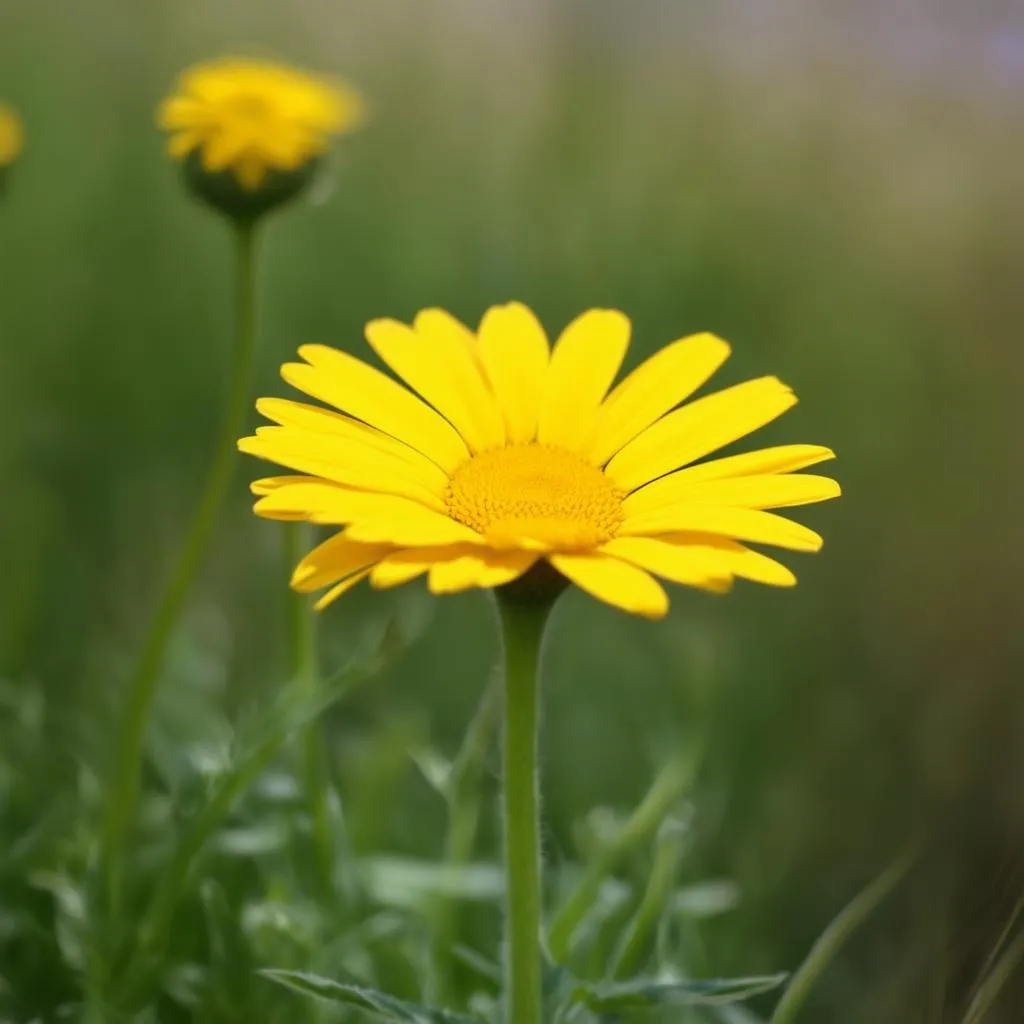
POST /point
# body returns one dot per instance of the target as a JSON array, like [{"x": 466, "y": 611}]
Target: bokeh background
[{"x": 834, "y": 187}]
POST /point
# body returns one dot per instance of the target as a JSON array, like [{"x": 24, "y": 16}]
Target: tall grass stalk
[{"x": 124, "y": 783}]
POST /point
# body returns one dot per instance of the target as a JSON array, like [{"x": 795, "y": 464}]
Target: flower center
[
  {"x": 250, "y": 106},
  {"x": 531, "y": 495}
]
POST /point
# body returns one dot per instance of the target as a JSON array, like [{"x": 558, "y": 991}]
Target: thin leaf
[
  {"x": 369, "y": 999},
  {"x": 668, "y": 852},
  {"x": 1004, "y": 937},
  {"x": 835, "y": 936},
  {"x": 480, "y": 965},
  {"x": 651, "y": 994},
  {"x": 667, "y": 790},
  {"x": 995, "y": 981}
]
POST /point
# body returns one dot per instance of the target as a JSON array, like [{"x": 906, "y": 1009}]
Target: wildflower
[
  {"x": 515, "y": 455},
  {"x": 251, "y": 133},
  {"x": 12, "y": 138}
]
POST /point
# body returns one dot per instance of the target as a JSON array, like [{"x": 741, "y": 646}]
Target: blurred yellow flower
[
  {"x": 523, "y": 455},
  {"x": 12, "y": 137},
  {"x": 253, "y": 117}
]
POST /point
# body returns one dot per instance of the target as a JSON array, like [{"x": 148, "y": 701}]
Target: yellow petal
[
  {"x": 435, "y": 321},
  {"x": 784, "y": 490},
  {"x": 737, "y": 559},
  {"x": 319, "y": 501},
  {"x": 618, "y": 583},
  {"x": 741, "y": 523},
  {"x": 699, "y": 428},
  {"x": 752, "y": 565},
  {"x": 662, "y": 382},
  {"x": 388, "y": 520},
  {"x": 372, "y": 518},
  {"x": 342, "y": 461},
  {"x": 784, "y": 458},
  {"x": 251, "y": 170},
  {"x": 692, "y": 566},
  {"x": 177, "y": 112},
  {"x": 408, "y": 563},
  {"x": 221, "y": 150},
  {"x": 481, "y": 568},
  {"x": 180, "y": 145},
  {"x": 325, "y": 421},
  {"x": 434, "y": 361},
  {"x": 354, "y": 387},
  {"x": 272, "y": 483},
  {"x": 583, "y": 365},
  {"x": 335, "y": 592},
  {"x": 335, "y": 558},
  {"x": 514, "y": 350}
]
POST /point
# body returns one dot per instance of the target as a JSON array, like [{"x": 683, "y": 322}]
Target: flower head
[
  {"x": 255, "y": 125},
  {"x": 515, "y": 453}
]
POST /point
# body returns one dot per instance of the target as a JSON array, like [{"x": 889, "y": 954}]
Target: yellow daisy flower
[
  {"x": 516, "y": 453},
  {"x": 252, "y": 118},
  {"x": 12, "y": 136}
]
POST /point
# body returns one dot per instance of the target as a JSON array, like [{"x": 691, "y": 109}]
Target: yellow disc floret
[{"x": 533, "y": 495}]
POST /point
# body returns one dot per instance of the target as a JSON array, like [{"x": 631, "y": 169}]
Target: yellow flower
[
  {"x": 11, "y": 136},
  {"x": 253, "y": 118},
  {"x": 523, "y": 454}
]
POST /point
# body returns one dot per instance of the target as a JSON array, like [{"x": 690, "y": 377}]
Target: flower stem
[
  {"x": 306, "y": 676},
  {"x": 125, "y": 783},
  {"x": 523, "y": 628}
]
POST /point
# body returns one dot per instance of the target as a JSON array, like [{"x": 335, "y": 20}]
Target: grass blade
[
  {"x": 835, "y": 936},
  {"x": 995, "y": 980}
]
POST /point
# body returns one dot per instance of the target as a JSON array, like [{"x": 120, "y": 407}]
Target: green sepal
[{"x": 223, "y": 191}]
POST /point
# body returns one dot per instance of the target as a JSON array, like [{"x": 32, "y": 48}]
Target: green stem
[
  {"x": 125, "y": 784},
  {"x": 523, "y": 628},
  {"x": 306, "y": 676}
]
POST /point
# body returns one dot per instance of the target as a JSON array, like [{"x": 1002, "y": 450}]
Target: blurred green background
[{"x": 836, "y": 189}]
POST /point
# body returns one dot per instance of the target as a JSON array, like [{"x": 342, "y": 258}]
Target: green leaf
[
  {"x": 435, "y": 768},
  {"x": 258, "y": 745},
  {"x": 650, "y": 994},
  {"x": 995, "y": 980},
  {"x": 834, "y": 937},
  {"x": 668, "y": 789},
  {"x": 407, "y": 882},
  {"x": 370, "y": 999},
  {"x": 668, "y": 851},
  {"x": 480, "y": 965}
]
